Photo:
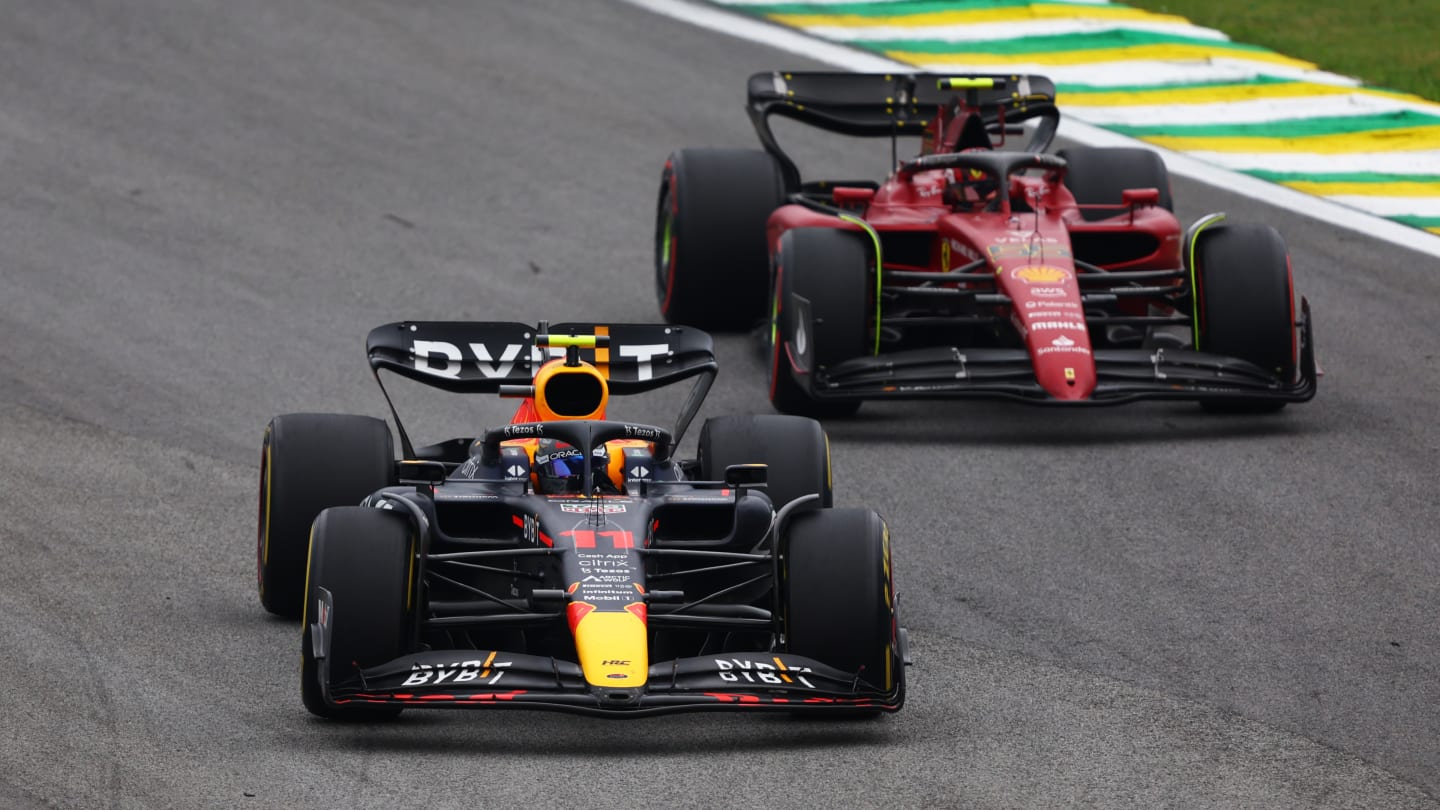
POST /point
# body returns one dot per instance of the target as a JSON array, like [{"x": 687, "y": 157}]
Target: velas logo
[{"x": 1040, "y": 274}]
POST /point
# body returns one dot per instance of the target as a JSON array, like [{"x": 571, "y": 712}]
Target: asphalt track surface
[{"x": 207, "y": 204}]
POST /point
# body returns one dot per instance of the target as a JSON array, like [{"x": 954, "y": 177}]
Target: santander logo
[{"x": 1062, "y": 345}]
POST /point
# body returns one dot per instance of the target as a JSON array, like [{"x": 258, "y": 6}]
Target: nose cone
[
  {"x": 1048, "y": 312},
  {"x": 612, "y": 644},
  {"x": 1064, "y": 366}
]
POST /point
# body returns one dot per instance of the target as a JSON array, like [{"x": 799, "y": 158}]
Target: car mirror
[
  {"x": 746, "y": 475},
  {"x": 1135, "y": 197},
  {"x": 420, "y": 472}
]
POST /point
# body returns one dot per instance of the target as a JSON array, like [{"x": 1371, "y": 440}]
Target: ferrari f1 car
[
  {"x": 565, "y": 561},
  {"x": 981, "y": 268}
]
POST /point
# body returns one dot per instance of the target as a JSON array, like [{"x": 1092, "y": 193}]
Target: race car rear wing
[
  {"x": 494, "y": 357},
  {"x": 895, "y": 104}
]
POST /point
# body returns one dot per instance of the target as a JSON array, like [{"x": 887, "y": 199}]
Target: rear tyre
[
  {"x": 362, "y": 556},
  {"x": 795, "y": 448},
  {"x": 309, "y": 461},
  {"x": 1099, "y": 176},
  {"x": 711, "y": 260},
  {"x": 839, "y": 597},
  {"x": 831, "y": 270},
  {"x": 1246, "y": 303}
]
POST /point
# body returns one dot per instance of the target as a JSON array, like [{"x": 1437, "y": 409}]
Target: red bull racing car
[
  {"x": 980, "y": 268},
  {"x": 565, "y": 560}
]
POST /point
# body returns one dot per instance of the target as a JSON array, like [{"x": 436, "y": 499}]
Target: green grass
[{"x": 1387, "y": 43}]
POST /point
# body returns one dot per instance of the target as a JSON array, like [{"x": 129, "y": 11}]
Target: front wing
[
  {"x": 1123, "y": 375},
  {"x": 494, "y": 679}
]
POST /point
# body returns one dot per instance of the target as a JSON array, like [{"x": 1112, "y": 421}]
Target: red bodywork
[{"x": 1028, "y": 244}]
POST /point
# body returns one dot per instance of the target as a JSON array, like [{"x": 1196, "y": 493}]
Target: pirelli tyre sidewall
[
  {"x": 830, "y": 272},
  {"x": 838, "y": 595},
  {"x": 711, "y": 260},
  {"x": 364, "y": 558},
  {"x": 1245, "y": 302},
  {"x": 795, "y": 450},
  {"x": 310, "y": 461}
]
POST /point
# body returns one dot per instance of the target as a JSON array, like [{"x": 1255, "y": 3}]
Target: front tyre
[
  {"x": 363, "y": 558},
  {"x": 1245, "y": 303},
  {"x": 838, "y": 596},
  {"x": 819, "y": 315},
  {"x": 711, "y": 260},
  {"x": 310, "y": 461}
]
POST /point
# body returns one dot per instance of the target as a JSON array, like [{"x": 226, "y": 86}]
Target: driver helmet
[
  {"x": 971, "y": 186},
  {"x": 559, "y": 468}
]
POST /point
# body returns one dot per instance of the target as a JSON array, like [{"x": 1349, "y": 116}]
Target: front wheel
[
  {"x": 362, "y": 557},
  {"x": 819, "y": 315},
  {"x": 839, "y": 596},
  {"x": 1245, "y": 303}
]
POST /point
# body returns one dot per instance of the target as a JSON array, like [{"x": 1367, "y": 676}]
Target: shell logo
[{"x": 1040, "y": 274}]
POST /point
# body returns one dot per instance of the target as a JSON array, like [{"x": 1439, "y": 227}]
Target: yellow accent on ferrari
[
  {"x": 964, "y": 83},
  {"x": 829, "y": 478}
]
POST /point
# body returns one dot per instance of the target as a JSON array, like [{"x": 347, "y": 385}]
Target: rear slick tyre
[
  {"x": 794, "y": 448},
  {"x": 711, "y": 259},
  {"x": 1100, "y": 175},
  {"x": 310, "y": 461}
]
